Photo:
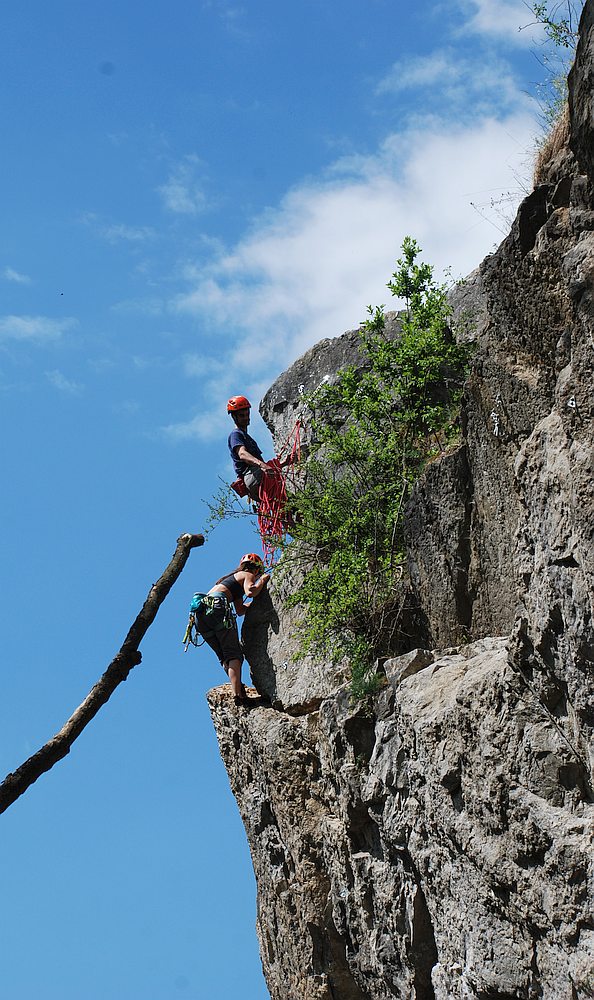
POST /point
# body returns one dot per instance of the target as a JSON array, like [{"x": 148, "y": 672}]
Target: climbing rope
[{"x": 274, "y": 522}]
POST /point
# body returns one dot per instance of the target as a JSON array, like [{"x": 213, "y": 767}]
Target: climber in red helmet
[{"x": 247, "y": 457}]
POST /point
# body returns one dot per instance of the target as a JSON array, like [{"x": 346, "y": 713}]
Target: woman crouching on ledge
[{"x": 215, "y": 618}]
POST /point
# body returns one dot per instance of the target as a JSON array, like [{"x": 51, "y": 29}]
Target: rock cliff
[{"x": 438, "y": 843}]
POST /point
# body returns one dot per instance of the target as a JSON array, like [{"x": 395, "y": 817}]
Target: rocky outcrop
[
  {"x": 269, "y": 636},
  {"x": 436, "y": 848},
  {"x": 436, "y": 843},
  {"x": 284, "y": 402}
]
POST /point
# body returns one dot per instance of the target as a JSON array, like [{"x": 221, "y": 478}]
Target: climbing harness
[{"x": 211, "y": 602}]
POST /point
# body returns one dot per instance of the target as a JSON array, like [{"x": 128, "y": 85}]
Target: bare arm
[
  {"x": 246, "y": 456},
  {"x": 253, "y": 585}
]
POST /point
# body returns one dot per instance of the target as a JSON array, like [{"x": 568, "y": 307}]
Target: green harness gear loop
[{"x": 208, "y": 601}]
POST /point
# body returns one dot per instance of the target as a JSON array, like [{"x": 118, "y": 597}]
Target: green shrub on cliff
[{"x": 375, "y": 427}]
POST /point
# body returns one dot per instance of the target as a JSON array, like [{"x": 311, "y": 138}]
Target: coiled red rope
[{"x": 274, "y": 522}]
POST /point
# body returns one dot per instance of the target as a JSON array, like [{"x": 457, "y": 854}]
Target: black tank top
[{"x": 233, "y": 586}]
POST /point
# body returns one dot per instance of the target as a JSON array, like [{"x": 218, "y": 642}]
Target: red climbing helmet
[
  {"x": 253, "y": 559},
  {"x": 238, "y": 403}
]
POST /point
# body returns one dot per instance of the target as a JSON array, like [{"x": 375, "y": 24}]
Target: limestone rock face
[
  {"x": 436, "y": 848},
  {"x": 284, "y": 401},
  {"x": 269, "y": 639},
  {"x": 437, "y": 842}
]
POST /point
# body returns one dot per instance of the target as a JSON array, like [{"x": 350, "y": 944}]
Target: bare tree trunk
[{"x": 128, "y": 657}]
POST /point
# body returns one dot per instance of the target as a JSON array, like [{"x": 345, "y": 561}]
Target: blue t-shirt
[{"x": 237, "y": 438}]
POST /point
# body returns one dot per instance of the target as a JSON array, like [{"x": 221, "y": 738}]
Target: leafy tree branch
[
  {"x": 375, "y": 428},
  {"x": 560, "y": 21}
]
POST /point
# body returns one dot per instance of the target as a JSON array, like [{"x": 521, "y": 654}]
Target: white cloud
[
  {"x": 420, "y": 71},
  {"x": 9, "y": 274},
  {"x": 309, "y": 269},
  {"x": 183, "y": 191},
  {"x": 220, "y": 380},
  {"x": 63, "y": 384},
  {"x": 211, "y": 422},
  {"x": 34, "y": 328},
  {"x": 505, "y": 20},
  {"x": 203, "y": 427},
  {"x": 458, "y": 87},
  {"x": 198, "y": 365},
  {"x": 117, "y": 232}
]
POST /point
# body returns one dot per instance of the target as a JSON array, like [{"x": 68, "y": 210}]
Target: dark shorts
[{"x": 223, "y": 641}]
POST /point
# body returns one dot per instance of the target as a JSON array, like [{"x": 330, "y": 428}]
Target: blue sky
[{"x": 192, "y": 194}]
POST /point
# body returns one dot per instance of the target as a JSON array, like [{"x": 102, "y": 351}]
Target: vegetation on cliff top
[{"x": 560, "y": 23}]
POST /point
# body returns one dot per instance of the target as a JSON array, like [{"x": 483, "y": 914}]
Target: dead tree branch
[{"x": 128, "y": 657}]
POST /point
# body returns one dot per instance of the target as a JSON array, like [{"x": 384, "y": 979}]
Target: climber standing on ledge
[
  {"x": 248, "y": 463},
  {"x": 215, "y": 616}
]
